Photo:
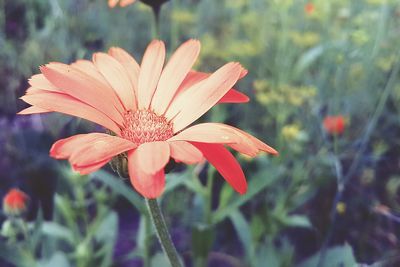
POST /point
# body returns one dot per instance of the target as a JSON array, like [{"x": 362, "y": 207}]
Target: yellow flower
[{"x": 341, "y": 207}]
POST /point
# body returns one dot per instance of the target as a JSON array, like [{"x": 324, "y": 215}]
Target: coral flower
[
  {"x": 334, "y": 124},
  {"x": 309, "y": 8},
  {"x": 122, "y": 3},
  {"x": 149, "y": 108},
  {"x": 14, "y": 202}
]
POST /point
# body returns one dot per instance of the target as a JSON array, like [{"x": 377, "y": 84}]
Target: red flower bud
[
  {"x": 334, "y": 124},
  {"x": 15, "y": 202}
]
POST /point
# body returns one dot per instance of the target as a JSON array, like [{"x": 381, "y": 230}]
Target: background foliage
[{"x": 326, "y": 200}]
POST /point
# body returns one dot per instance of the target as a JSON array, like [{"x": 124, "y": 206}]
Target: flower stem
[{"x": 162, "y": 232}]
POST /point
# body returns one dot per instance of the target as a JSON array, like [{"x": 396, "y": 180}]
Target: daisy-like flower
[
  {"x": 14, "y": 202},
  {"x": 122, "y": 3},
  {"x": 149, "y": 108}
]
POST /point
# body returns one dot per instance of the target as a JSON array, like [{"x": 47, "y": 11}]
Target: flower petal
[
  {"x": 66, "y": 104},
  {"x": 206, "y": 133},
  {"x": 152, "y": 156},
  {"x": 239, "y": 140},
  {"x": 197, "y": 100},
  {"x": 85, "y": 88},
  {"x": 117, "y": 77},
  {"x": 40, "y": 82},
  {"x": 148, "y": 185},
  {"x": 174, "y": 73},
  {"x": 86, "y": 169},
  {"x": 33, "y": 110},
  {"x": 150, "y": 71},
  {"x": 130, "y": 65},
  {"x": 124, "y": 3},
  {"x": 234, "y": 96},
  {"x": 112, "y": 3},
  {"x": 87, "y": 149},
  {"x": 185, "y": 152},
  {"x": 225, "y": 163}
]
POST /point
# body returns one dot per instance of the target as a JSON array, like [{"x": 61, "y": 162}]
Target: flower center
[{"x": 143, "y": 126}]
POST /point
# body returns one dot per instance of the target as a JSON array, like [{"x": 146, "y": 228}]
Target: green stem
[{"x": 162, "y": 232}]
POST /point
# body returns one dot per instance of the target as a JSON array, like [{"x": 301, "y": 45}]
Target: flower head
[
  {"x": 122, "y": 3},
  {"x": 149, "y": 108},
  {"x": 309, "y": 8},
  {"x": 15, "y": 202},
  {"x": 334, "y": 124}
]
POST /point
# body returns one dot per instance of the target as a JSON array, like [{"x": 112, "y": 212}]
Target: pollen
[{"x": 143, "y": 126}]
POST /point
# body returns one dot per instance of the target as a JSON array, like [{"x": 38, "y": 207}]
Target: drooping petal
[
  {"x": 258, "y": 143},
  {"x": 174, "y": 73},
  {"x": 150, "y": 71},
  {"x": 117, "y": 77},
  {"x": 102, "y": 148},
  {"x": 148, "y": 185},
  {"x": 185, "y": 152},
  {"x": 66, "y": 104},
  {"x": 86, "y": 169},
  {"x": 85, "y": 88},
  {"x": 196, "y": 101},
  {"x": 234, "y": 96},
  {"x": 152, "y": 156},
  {"x": 87, "y": 149},
  {"x": 130, "y": 65},
  {"x": 206, "y": 133},
  {"x": 225, "y": 163}
]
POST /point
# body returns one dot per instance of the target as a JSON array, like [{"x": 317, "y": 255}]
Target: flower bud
[{"x": 15, "y": 202}]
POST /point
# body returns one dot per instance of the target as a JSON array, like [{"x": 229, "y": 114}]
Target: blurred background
[{"x": 324, "y": 87}]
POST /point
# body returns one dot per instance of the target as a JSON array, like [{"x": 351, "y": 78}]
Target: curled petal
[
  {"x": 86, "y": 169},
  {"x": 86, "y": 150}
]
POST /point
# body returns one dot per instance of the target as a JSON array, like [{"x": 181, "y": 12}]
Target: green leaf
[
  {"x": 297, "y": 221},
  {"x": 58, "y": 259},
  {"x": 159, "y": 259},
  {"x": 225, "y": 195},
  {"x": 334, "y": 257},
  {"x": 119, "y": 187},
  {"x": 58, "y": 231},
  {"x": 16, "y": 256},
  {"x": 255, "y": 186},
  {"x": 243, "y": 231},
  {"x": 202, "y": 240},
  {"x": 106, "y": 234}
]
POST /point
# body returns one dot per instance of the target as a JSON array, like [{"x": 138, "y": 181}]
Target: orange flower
[
  {"x": 149, "y": 108},
  {"x": 122, "y": 3},
  {"x": 14, "y": 202},
  {"x": 309, "y": 8},
  {"x": 334, "y": 124}
]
